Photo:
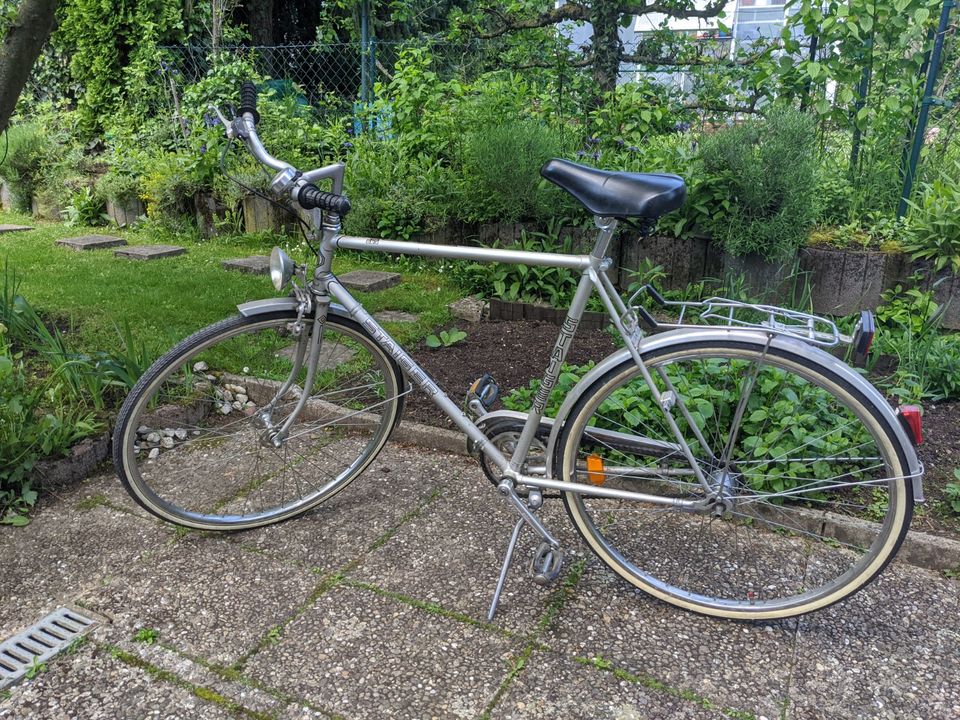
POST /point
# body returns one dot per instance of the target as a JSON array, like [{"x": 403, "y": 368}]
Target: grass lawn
[{"x": 92, "y": 293}]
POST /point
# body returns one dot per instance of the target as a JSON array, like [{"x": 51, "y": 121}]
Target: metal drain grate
[{"x": 40, "y": 642}]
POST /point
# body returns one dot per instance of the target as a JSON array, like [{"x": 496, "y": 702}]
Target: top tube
[{"x": 480, "y": 254}]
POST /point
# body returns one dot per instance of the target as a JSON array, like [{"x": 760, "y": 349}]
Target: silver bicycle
[{"x": 729, "y": 465}]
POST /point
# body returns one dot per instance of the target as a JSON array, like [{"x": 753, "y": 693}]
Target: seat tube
[{"x": 606, "y": 227}]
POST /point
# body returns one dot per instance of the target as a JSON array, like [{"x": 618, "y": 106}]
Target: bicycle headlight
[{"x": 281, "y": 268}]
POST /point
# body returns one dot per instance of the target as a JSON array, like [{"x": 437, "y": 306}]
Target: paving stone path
[
  {"x": 369, "y": 280},
  {"x": 4, "y": 228},
  {"x": 373, "y": 606},
  {"x": 255, "y": 264},
  {"x": 149, "y": 252},
  {"x": 92, "y": 242}
]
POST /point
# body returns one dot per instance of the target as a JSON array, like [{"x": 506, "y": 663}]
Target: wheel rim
[
  {"x": 767, "y": 556},
  {"x": 219, "y": 469}
]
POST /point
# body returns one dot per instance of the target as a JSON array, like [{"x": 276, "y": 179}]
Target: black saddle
[{"x": 618, "y": 194}]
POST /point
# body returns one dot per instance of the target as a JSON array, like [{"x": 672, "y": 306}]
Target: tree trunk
[
  {"x": 605, "y": 45},
  {"x": 21, "y": 47},
  {"x": 260, "y": 21}
]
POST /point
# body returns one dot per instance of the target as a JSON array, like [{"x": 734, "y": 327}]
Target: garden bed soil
[
  {"x": 516, "y": 352},
  {"x": 513, "y": 352}
]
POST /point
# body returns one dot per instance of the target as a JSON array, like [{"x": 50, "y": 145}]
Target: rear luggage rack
[{"x": 723, "y": 312}]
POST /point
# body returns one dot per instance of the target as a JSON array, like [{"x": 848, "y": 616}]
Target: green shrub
[
  {"x": 28, "y": 152},
  {"x": 501, "y": 172},
  {"x": 119, "y": 187},
  {"x": 933, "y": 228},
  {"x": 526, "y": 283},
  {"x": 760, "y": 181},
  {"x": 395, "y": 193}
]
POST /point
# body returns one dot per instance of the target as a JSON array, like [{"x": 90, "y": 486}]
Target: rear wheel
[
  {"x": 806, "y": 506},
  {"x": 193, "y": 442}
]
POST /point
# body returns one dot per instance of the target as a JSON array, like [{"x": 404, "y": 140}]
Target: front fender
[
  {"x": 269, "y": 305},
  {"x": 752, "y": 337}
]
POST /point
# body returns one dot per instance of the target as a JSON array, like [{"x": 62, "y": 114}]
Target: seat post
[{"x": 606, "y": 226}]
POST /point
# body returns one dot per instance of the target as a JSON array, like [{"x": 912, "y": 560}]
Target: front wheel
[
  {"x": 805, "y": 502},
  {"x": 195, "y": 441}
]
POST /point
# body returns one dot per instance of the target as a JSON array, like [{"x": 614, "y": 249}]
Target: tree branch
[
  {"x": 711, "y": 10},
  {"x": 750, "y": 107},
  {"x": 582, "y": 63},
  {"x": 567, "y": 11}
]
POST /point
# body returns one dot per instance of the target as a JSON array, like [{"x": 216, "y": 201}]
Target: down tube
[{"x": 417, "y": 375}]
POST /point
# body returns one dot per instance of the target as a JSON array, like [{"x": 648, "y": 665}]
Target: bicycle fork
[{"x": 308, "y": 346}]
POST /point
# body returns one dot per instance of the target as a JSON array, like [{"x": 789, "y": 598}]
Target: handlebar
[{"x": 288, "y": 180}]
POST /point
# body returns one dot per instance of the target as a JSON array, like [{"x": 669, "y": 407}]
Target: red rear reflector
[{"x": 911, "y": 416}]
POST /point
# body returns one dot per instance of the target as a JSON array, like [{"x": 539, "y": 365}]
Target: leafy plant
[
  {"x": 952, "y": 493},
  {"x": 120, "y": 187},
  {"x": 85, "y": 208},
  {"x": 524, "y": 283},
  {"x": 35, "y": 668},
  {"x": 446, "y": 338},
  {"x": 933, "y": 229},
  {"x": 28, "y": 431},
  {"x": 147, "y": 636},
  {"x": 927, "y": 361}
]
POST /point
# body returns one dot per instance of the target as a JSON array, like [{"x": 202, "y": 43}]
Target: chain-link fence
[{"x": 326, "y": 74}]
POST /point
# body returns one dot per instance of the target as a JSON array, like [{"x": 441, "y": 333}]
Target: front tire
[
  {"x": 191, "y": 443},
  {"x": 814, "y": 500}
]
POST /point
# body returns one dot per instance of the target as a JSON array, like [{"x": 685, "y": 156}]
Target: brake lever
[{"x": 229, "y": 128}]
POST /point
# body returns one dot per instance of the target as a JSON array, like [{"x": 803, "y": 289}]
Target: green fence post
[{"x": 928, "y": 100}]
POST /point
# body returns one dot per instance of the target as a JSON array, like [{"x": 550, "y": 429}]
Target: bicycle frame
[{"x": 593, "y": 266}]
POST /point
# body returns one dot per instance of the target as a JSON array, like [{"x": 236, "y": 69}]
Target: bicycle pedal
[
  {"x": 484, "y": 390},
  {"x": 546, "y": 564}
]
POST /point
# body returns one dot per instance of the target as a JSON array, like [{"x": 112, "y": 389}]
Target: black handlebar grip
[
  {"x": 310, "y": 197},
  {"x": 248, "y": 100}
]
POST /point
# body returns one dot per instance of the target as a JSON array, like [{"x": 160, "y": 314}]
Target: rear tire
[{"x": 786, "y": 542}]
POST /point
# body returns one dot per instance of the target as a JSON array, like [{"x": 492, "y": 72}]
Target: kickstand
[{"x": 506, "y": 566}]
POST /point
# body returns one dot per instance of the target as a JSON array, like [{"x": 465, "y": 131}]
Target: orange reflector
[
  {"x": 595, "y": 472},
  {"x": 911, "y": 416}
]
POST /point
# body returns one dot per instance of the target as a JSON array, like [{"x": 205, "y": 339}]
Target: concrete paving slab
[
  {"x": 63, "y": 553},
  {"x": 254, "y": 265},
  {"x": 7, "y": 228},
  {"x": 395, "y": 316},
  {"x": 330, "y": 357},
  {"x": 93, "y": 685},
  {"x": 92, "y": 242},
  {"x": 300, "y": 712},
  {"x": 452, "y": 554},
  {"x": 192, "y": 673},
  {"x": 340, "y": 530},
  {"x": 891, "y": 651},
  {"x": 746, "y": 666},
  {"x": 205, "y": 596},
  {"x": 551, "y": 686},
  {"x": 369, "y": 280},
  {"x": 149, "y": 252},
  {"x": 361, "y": 655},
  {"x": 103, "y": 488}
]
